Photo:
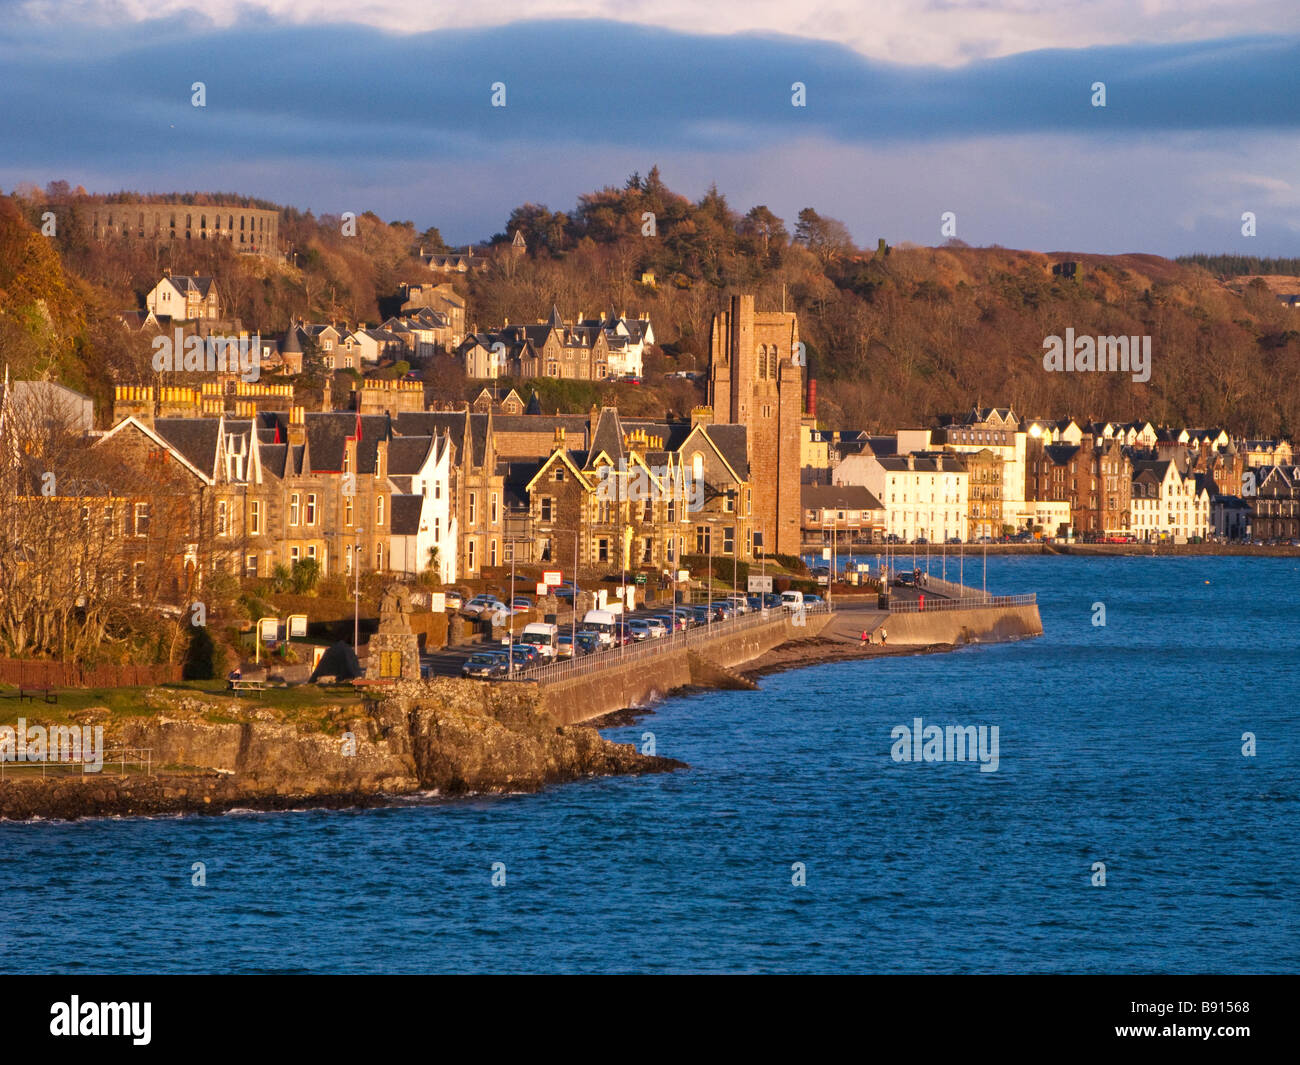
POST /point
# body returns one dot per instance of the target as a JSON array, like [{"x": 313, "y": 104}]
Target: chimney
[
  {"x": 297, "y": 426},
  {"x": 812, "y": 397}
]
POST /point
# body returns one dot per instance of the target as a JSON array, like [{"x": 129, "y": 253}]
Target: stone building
[
  {"x": 755, "y": 381},
  {"x": 249, "y": 229}
]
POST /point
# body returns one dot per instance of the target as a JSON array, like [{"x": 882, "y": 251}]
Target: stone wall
[{"x": 976, "y": 625}]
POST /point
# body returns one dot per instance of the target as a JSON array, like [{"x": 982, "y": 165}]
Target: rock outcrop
[{"x": 446, "y": 736}]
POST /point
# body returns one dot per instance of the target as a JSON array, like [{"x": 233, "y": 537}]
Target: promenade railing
[
  {"x": 614, "y": 657},
  {"x": 912, "y": 606}
]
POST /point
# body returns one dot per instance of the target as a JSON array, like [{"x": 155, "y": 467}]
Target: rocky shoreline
[{"x": 443, "y": 738}]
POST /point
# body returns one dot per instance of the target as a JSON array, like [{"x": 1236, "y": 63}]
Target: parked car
[
  {"x": 521, "y": 602},
  {"x": 453, "y": 600},
  {"x": 813, "y": 600},
  {"x": 564, "y": 647},
  {"x": 639, "y": 629},
  {"x": 525, "y": 652},
  {"x": 658, "y": 628},
  {"x": 588, "y": 642},
  {"x": 484, "y": 666},
  {"x": 483, "y": 604}
]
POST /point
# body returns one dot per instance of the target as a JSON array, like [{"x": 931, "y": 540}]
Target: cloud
[
  {"x": 343, "y": 117},
  {"x": 931, "y": 32}
]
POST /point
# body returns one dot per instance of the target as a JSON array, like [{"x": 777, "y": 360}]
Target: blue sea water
[{"x": 1119, "y": 744}]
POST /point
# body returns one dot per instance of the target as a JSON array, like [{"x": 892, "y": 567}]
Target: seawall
[
  {"x": 991, "y": 624},
  {"x": 647, "y": 677}
]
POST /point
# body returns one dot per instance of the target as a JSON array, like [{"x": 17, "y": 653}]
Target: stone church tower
[{"x": 755, "y": 382}]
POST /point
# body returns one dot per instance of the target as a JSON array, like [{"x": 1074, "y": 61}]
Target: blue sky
[{"x": 913, "y": 109}]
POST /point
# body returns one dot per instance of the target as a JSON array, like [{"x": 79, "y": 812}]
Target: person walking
[
  {"x": 866, "y": 637},
  {"x": 884, "y": 637}
]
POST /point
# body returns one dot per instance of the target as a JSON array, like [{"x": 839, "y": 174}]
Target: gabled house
[{"x": 185, "y": 297}]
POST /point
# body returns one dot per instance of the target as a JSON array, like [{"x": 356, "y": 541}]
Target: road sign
[
  {"x": 826, "y": 552},
  {"x": 760, "y": 584},
  {"x": 552, "y": 577},
  {"x": 543, "y": 588},
  {"x": 297, "y": 626}
]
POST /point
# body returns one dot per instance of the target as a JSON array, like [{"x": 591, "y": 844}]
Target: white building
[
  {"x": 628, "y": 339},
  {"x": 923, "y": 493},
  {"x": 423, "y": 518},
  {"x": 998, "y": 430},
  {"x": 1165, "y": 505}
]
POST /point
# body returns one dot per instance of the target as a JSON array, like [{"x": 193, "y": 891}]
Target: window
[
  {"x": 379, "y": 510},
  {"x": 110, "y": 522},
  {"x": 647, "y": 511},
  {"x": 250, "y": 566},
  {"x": 311, "y": 550},
  {"x": 602, "y": 550},
  {"x": 647, "y": 550},
  {"x": 729, "y": 501},
  {"x": 702, "y": 542},
  {"x": 293, "y": 556},
  {"x": 379, "y": 556},
  {"x": 492, "y": 552},
  {"x": 473, "y": 509},
  {"x": 548, "y": 509},
  {"x": 496, "y": 509},
  {"x": 559, "y": 475},
  {"x": 347, "y": 511},
  {"x": 472, "y": 555},
  {"x": 221, "y": 518},
  {"x": 729, "y": 539},
  {"x": 255, "y": 517},
  {"x": 142, "y": 519},
  {"x": 311, "y": 508},
  {"x": 293, "y": 509}
]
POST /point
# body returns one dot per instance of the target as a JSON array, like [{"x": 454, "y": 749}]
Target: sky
[{"x": 985, "y": 109}]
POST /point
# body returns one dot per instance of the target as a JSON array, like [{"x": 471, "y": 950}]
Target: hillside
[{"x": 894, "y": 335}]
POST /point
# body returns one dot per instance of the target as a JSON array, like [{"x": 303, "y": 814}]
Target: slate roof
[
  {"x": 838, "y": 497},
  {"x": 195, "y": 438},
  {"x": 430, "y": 423},
  {"x": 328, "y": 433},
  {"x": 406, "y": 511},
  {"x": 732, "y": 441},
  {"x": 407, "y": 454}
]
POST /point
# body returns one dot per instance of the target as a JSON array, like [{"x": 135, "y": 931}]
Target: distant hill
[{"x": 894, "y": 335}]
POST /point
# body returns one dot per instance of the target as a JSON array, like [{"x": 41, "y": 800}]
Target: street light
[{"x": 356, "y": 591}]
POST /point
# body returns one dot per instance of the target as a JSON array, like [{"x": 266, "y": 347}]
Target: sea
[{"x": 1143, "y": 817}]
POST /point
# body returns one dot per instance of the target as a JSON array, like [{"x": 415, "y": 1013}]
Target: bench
[
  {"x": 238, "y": 686},
  {"x": 48, "y": 694}
]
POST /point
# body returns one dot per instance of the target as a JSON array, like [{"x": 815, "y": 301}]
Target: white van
[
  {"x": 544, "y": 637},
  {"x": 792, "y": 600},
  {"x": 602, "y": 623}
]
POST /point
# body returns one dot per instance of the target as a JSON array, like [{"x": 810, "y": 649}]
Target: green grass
[{"x": 304, "y": 704}]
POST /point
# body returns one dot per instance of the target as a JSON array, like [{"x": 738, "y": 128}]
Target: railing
[
  {"x": 613, "y": 657},
  {"x": 931, "y": 605},
  {"x": 141, "y": 758}
]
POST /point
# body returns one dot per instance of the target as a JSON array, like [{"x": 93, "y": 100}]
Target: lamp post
[{"x": 356, "y": 591}]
